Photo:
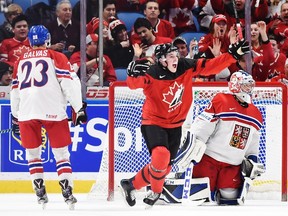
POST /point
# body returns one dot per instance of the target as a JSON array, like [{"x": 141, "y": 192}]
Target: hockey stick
[
  {"x": 238, "y": 24},
  {"x": 10, "y": 129},
  {"x": 246, "y": 184},
  {"x": 6, "y": 131}
]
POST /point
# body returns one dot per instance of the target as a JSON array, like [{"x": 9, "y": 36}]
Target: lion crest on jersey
[
  {"x": 174, "y": 96},
  {"x": 240, "y": 136}
]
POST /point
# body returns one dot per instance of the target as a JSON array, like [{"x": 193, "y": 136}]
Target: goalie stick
[
  {"x": 186, "y": 188},
  {"x": 10, "y": 129},
  {"x": 238, "y": 24}
]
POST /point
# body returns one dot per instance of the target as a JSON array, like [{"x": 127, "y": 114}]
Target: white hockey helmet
[{"x": 242, "y": 84}]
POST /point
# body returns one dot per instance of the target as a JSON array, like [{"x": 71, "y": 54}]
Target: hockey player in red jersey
[
  {"x": 167, "y": 86},
  {"x": 229, "y": 127},
  {"x": 43, "y": 82}
]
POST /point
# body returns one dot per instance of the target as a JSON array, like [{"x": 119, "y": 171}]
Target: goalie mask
[
  {"x": 167, "y": 56},
  {"x": 242, "y": 84},
  {"x": 39, "y": 35}
]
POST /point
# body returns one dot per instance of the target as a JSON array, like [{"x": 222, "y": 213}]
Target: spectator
[
  {"x": 218, "y": 30},
  {"x": 6, "y": 31},
  {"x": 109, "y": 9},
  {"x": 5, "y": 74},
  {"x": 12, "y": 48},
  {"x": 65, "y": 32},
  {"x": 144, "y": 29},
  {"x": 92, "y": 60},
  {"x": 261, "y": 63},
  {"x": 274, "y": 8},
  {"x": 226, "y": 8},
  {"x": 161, "y": 27},
  {"x": 182, "y": 47},
  {"x": 279, "y": 65},
  {"x": 121, "y": 51},
  {"x": 282, "y": 77},
  {"x": 93, "y": 28},
  {"x": 278, "y": 28}
]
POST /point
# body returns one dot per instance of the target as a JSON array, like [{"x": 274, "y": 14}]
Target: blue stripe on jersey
[
  {"x": 62, "y": 72},
  {"x": 239, "y": 116}
]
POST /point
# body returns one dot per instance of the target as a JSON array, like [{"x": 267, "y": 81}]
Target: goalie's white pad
[
  {"x": 173, "y": 188},
  {"x": 192, "y": 150}
]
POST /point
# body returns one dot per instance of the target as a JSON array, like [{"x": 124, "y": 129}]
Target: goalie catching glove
[
  {"x": 138, "y": 67},
  {"x": 238, "y": 49},
  {"x": 79, "y": 117},
  {"x": 192, "y": 150},
  {"x": 251, "y": 169}
]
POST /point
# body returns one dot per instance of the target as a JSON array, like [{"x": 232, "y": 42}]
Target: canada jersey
[
  {"x": 169, "y": 95},
  {"x": 229, "y": 130},
  {"x": 43, "y": 83}
]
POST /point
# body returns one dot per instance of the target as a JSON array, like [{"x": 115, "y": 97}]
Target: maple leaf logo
[
  {"x": 183, "y": 18},
  {"x": 174, "y": 95},
  {"x": 18, "y": 52}
]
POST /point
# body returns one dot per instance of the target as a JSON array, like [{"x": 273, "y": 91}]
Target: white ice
[{"x": 26, "y": 205}]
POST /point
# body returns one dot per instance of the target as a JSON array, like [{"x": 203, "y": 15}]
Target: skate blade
[
  {"x": 43, "y": 204},
  {"x": 71, "y": 205}
]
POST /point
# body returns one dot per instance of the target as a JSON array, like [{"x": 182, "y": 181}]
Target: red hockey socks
[{"x": 158, "y": 168}]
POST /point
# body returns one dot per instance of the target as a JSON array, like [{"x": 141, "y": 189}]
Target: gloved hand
[
  {"x": 252, "y": 169},
  {"x": 80, "y": 117},
  {"x": 15, "y": 126},
  {"x": 138, "y": 67},
  {"x": 238, "y": 49}
]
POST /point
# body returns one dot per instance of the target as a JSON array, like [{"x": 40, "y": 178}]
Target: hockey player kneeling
[{"x": 229, "y": 126}]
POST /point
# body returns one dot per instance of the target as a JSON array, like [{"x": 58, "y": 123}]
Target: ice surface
[{"x": 26, "y": 205}]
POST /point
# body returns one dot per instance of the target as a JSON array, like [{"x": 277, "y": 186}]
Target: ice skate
[
  {"x": 151, "y": 199},
  {"x": 128, "y": 191},
  {"x": 67, "y": 194},
  {"x": 41, "y": 194}
]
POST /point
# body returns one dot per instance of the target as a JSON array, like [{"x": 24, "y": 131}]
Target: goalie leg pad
[
  {"x": 192, "y": 150},
  {"x": 173, "y": 189}
]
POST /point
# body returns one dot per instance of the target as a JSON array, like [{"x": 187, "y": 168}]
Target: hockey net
[{"x": 126, "y": 152}]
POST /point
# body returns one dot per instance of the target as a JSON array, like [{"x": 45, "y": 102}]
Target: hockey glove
[
  {"x": 251, "y": 169},
  {"x": 15, "y": 126},
  {"x": 138, "y": 67},
  {"x": 81, "y": 116},
  {"x": 239, "y": 49}
]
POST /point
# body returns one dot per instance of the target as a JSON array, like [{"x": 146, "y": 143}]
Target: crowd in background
[{"x": 162, "y": 21}]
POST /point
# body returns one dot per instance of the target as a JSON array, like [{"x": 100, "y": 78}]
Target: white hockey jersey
[
  {"x": 229, "y": 130},
  {"x": 43, "y": 83}
]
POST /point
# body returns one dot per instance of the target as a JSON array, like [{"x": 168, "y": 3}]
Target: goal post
[{"x": 126, "y": 151}]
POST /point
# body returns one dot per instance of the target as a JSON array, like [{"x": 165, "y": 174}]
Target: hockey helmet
[
  {"x": 163, "y": 49},
  {"x": 39, "y": 35},
  {"x": 242, "y": 84}
]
